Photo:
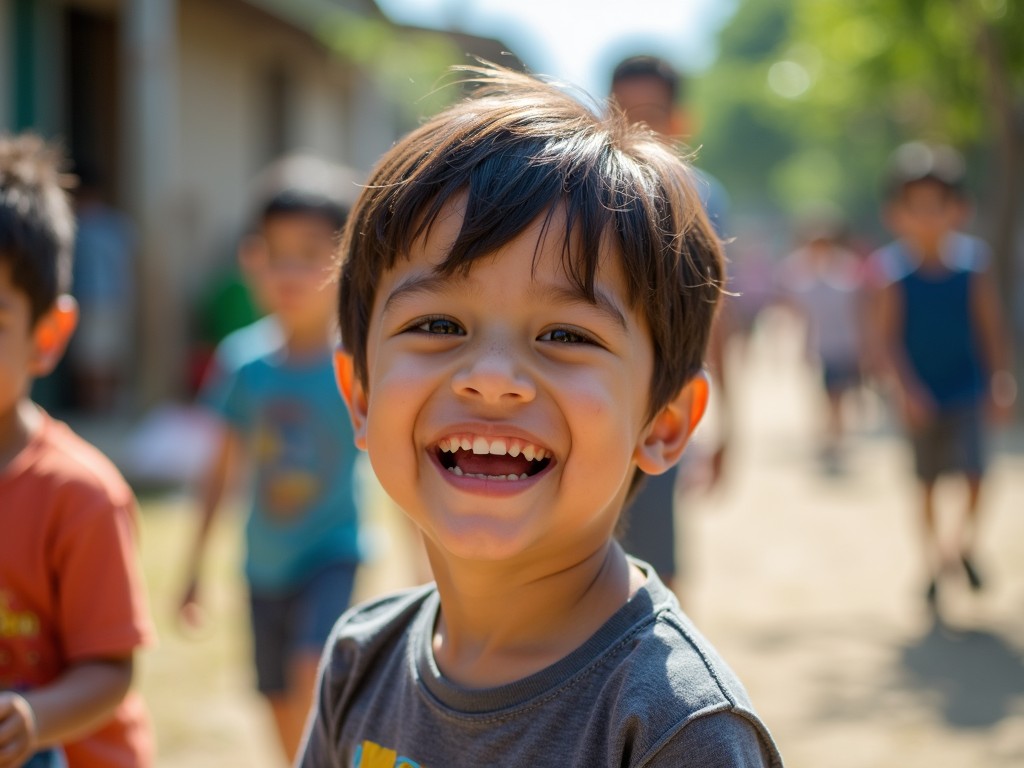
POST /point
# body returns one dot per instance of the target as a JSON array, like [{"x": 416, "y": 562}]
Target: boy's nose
[{"x": 495, "y": 375}]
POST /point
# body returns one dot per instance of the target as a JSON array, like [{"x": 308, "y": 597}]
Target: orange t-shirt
[{"x": 70, "y": 585}]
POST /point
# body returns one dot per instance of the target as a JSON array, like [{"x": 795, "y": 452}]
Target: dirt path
[{"x": 810, "y": 586}]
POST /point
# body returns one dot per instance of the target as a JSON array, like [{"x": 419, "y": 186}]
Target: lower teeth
[{"x": 460, "y": 473}]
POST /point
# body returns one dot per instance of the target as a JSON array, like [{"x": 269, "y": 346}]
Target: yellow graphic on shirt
[
  {"x": 370, "y": 755},
  {"x": 16, "y": 623}
]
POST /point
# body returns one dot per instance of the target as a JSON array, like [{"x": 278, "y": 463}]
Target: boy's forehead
[
  {"x": 541, "y": 246},
  {"x": 545, "y": 235},
  {"x": 642, "y": 92},
  {"x": 926, "y": 188},
  {"x": 299, "y": 222}
]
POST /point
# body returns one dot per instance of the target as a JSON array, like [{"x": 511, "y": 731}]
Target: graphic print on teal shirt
[{"x": 303, "y": 514}]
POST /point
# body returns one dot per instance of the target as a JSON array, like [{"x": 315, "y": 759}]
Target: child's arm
[
  {"x": 995, "y": 344},
  {"x": 916, "y": 401},
  {"x": 74, "y": 704},
  {"x": 214, "y": 486}
]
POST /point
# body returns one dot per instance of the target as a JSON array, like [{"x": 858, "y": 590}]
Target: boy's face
[
  {"x": 290, "y": 263},
  {"x": 648, "y": 100},
  {"x": 16, "y": 344},
  {"x": 924, "y": 212},
  {"x": 27, "y": 349},
  {"x": 504, "y": 372}
]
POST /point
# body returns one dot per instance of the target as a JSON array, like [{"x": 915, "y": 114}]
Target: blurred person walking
[
  {"x": 103, "y": 283},
  {"x": 943, "y": 340},
  {"x": 272, "y": 387},
  {"x": 648, "y": 90},
  {"x": 824, "y": 282}
]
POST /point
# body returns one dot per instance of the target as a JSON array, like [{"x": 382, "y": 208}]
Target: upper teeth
[{"x": 498, "y": 446}]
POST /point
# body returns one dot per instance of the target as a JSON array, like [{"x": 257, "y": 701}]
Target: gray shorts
[
  {"x": 284, "y": 625},
  {"x": 952, "y": 442}
]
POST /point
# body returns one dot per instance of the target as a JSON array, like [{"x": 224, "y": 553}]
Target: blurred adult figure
[
  {"x": 103, "y": 282},
  {"x": 649, "y": 90}
]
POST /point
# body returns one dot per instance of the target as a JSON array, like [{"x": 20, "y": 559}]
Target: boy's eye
[
  {"x": 439, "y": 326},
  {"x": 565, "y": 336}
]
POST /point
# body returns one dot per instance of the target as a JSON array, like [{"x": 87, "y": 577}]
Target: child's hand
[
  {"x": 17, "y": 730},
  {"x": 918, "y": 409},
  {"x": 191, "y": 617},
  {"x": 1002, "y": 397},
  {"x": 1000, "y": 413}
]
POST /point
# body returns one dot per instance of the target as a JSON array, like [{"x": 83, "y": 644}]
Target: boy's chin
[{"x": 480, "y": 541}]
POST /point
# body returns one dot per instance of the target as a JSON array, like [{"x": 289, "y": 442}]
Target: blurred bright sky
[{"x": 580, "y": 40}]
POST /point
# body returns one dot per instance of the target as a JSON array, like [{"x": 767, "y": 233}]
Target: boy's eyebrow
[
  {"x": 435, "y": 283},
  {"x": 566, "y": 295},
  {"x": 420, "y": 283}
]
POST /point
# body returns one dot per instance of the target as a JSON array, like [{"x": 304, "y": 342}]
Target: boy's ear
[
  {"x": 51, "y": 335},
  {"x": 353, "y": 393},
  {"x": 670, "y": 430}
]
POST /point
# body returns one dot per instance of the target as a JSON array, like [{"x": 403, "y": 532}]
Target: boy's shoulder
[
  {"x": 59, "y": 463},
  {"x": 378, "y": 621},
  {"x": 249, "y": 344},
  {"x": 967, "y": 253},
  {"x": 961, "y": 252}
]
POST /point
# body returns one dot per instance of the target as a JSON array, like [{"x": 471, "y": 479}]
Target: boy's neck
[
  {"x": 17, "y": 427},
  {"x": 930, "y": 250},
  {"x": 495, "y": 628},
  {"x": 307, "y": 343}
]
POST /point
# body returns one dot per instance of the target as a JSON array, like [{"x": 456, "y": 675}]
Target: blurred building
[{"x": 176, "y": 105}]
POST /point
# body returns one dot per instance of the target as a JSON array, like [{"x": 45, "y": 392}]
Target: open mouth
[{"x": 499, "y": 458}]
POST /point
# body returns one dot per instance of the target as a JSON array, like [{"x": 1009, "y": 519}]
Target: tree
[{"x": 808, "y": 98}]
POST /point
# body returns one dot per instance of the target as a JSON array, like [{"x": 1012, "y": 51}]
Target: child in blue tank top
[{"x": 944, "y": 343}]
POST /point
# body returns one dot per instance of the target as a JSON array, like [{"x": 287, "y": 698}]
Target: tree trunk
[{"x": 1005, "y": 188}]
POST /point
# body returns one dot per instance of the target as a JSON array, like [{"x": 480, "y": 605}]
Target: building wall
[
  {"x": 236, "y": 66},
  {"x": 209, "y": 92}
]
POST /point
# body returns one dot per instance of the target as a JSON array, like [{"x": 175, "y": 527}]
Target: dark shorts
[
  {"x": 300, "y": 621},
  {"x": 649, "y": 528},
  {"x": 952, "y": 442},
  {"x": 840, "y": 377}
]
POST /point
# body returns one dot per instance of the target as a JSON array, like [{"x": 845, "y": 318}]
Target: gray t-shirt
[{"x": 645, "y": 690}]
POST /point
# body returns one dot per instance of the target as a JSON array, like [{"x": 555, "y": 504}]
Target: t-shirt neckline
[{"x": 640, "y": 608}]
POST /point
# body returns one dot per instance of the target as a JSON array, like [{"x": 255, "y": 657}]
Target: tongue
[{"x": 488, "y": 464}]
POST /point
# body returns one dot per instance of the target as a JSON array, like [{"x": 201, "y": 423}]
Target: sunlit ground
[{"x": 809, "y": 584}]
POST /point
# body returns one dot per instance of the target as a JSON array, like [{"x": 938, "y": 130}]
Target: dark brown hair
[
  {"x": 636, "y": 67},
  {"x": 37, "y": 226},
  {"x": 520, "y": 148}
]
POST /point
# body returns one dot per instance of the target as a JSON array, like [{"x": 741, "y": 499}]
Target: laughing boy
[{"x": 525, "y": 300}]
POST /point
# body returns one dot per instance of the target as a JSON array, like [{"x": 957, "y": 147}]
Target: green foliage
[
  {"x": 408, "y": 64},
  {"x": 809, "y": 97}
]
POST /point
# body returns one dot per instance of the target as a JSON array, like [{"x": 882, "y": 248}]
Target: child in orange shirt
[{"x": 72, "y": 603}]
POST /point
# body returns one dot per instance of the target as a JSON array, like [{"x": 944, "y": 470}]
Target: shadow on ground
[
  {"x": 975, "y": 676},
  {"x": 860, "y": 672}
]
